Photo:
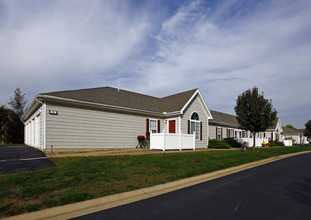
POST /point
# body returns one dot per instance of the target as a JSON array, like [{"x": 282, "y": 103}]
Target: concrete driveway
[{"x": 19, "y": 158}]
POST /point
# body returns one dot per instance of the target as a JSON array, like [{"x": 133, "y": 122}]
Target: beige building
[{"x": 112, "y": 118}]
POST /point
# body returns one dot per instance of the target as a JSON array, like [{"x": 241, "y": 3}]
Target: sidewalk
[{"x": 95, "y": 205}]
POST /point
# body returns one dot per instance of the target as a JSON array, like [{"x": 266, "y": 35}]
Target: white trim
[
  {"x": 197, "y": 92},
  {"x": 195, "y": 121},
  {"x": 153, "y": 119}
]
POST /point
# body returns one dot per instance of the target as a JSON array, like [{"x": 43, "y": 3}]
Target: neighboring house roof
[
  {"x": 290, "y": 131},
  {"x": 228, "y": 120},
  {"x": 118, "y": 98},
  {"x": 224, "y": 119}
]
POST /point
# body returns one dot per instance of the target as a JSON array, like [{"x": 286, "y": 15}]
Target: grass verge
[{"x": 83, "y": 178}]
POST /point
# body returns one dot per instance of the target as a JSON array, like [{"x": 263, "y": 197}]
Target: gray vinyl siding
[
  {"x": 196, "y": 106},
  {"x": 76, "y": 127},
  {"x": 212, "y": 131}
]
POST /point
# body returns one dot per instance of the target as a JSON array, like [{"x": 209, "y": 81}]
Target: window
[
  {"x": 195, "y": 125},
  {"x": 268, "y": 135},
  {"x": 230, "y": 133},
  {"x": 219, "y": 133},
  {"x": 153, "y": 126}
]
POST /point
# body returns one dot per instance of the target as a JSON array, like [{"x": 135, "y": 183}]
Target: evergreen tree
[
  {"x": 254, "y": 112},
  {"x": 11, "y": 127},
  {"x": 18, "y": 102},
  {"x": 3, "y": 119}
]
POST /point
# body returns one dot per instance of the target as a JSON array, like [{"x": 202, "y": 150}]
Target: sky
[{"x": 159, "y": 48}]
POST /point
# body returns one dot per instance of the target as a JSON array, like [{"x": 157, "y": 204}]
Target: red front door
[{"x": 172, "y": 126}]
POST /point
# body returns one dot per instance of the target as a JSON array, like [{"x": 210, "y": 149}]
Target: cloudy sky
[{"x": 161, "y": 47}]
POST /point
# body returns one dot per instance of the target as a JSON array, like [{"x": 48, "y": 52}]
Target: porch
[{"x": 171, "y": 141}]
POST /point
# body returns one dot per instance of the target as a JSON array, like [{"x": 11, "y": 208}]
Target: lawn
[{"x": 82, "y": 178}]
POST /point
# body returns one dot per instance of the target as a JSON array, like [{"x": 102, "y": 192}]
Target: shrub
[
  {"x": 218, "y": 144},
  {"x": 275, "y": 143},
  {"x": 233, "y": 142}
]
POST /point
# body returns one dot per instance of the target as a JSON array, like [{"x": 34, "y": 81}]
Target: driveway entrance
[{"x": 19, "y": 158}]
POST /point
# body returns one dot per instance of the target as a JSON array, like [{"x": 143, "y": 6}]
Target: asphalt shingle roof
[
  {"x": 220, "y": 118},
  {"x": 123, "y": 98}
]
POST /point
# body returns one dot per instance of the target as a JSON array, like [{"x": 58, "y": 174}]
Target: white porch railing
[
  {"x": 288, "y": 143},
  {"x": 250, "y": 141},
  {"x": 168, "y": 141}
]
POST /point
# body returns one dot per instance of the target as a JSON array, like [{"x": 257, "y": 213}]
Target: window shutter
[
  {"x": 188, "y": 126},
  {"x": 158, "y": 126},
  {"x": 147, "y": 127},
  {"x": 216, "y": 133},
  {"x": 227, "y": 132},
  {"x": 271, "y": 136},
  {"x": 200, "y": 131},
  {"x": 264, "y": 135},
  {"x": 221, "y": 134}
]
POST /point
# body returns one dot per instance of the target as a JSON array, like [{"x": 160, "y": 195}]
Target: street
[{"x": 279, "y": 190}]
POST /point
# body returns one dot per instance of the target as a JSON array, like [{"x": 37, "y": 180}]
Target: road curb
[{"x": 99, "y": 204}]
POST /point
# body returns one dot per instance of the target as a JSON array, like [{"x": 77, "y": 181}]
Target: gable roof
[
  {"x": 122, "y": 98},
  {"x": 289, "y": 131}
]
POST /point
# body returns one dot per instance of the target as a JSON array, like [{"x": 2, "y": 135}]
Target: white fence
[
  {"x": 167, "y": 141},
  {"x": 250, "y": 141},
  {"x": 288, "y": 143}
]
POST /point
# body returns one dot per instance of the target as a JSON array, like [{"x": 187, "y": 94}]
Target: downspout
[{"x": 44, "y": 122}]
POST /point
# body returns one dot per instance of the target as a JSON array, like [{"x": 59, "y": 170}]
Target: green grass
[{"x": 83, "y": 178}]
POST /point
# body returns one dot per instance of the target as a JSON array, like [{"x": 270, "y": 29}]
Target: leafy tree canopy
[
  {"x": 290, "y": 126},
  {"x": 254, "y": 112},
  {"x": 307, "y": 131}
]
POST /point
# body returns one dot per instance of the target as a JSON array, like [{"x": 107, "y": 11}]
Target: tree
[
  {"x": 254, "y": 112},
  {"x": 3, "y": 118},
  {"x": 307, "y": 131},
  {"x": 290, "y": 126},
  {"x": 18, "y": 103},
  {"x": 11, "y": 127}
]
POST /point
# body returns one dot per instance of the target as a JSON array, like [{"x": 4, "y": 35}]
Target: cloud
[
  {"x": 60, "y": 43},
  {"x": 160, "y": 48},
  {"x": 268, "y": 47}
]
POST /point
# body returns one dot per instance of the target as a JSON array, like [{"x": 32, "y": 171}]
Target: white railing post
[
  {"x": 180, "y": 140},
  {"x": 193, "y": 140},
  {"x": 164, "y": 140}
]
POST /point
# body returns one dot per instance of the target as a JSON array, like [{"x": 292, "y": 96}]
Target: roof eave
[{"x": 100, "y": 105}]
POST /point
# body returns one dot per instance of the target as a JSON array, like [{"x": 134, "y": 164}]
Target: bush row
[{"x": 225, "y": 143}]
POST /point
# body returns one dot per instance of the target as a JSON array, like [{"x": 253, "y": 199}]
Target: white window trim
[
  {"x": 197, "y": 133},
  {"x": 156, "y": 125}
]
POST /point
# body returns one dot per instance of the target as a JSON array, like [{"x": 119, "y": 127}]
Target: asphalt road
[
  {"x": 18, "y": 158},
  {"x": 279, "y": 190}
]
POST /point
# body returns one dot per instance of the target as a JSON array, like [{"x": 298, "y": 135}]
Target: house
[
  {"x": 294, "y": 136},
  {"x": 227, "y": 126},
  {"x": 275, "y": 132},
  {"x": 112, "y": 118}
]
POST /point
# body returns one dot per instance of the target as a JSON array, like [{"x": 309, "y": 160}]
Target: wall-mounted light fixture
[{"x": 53, "y": 112}]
